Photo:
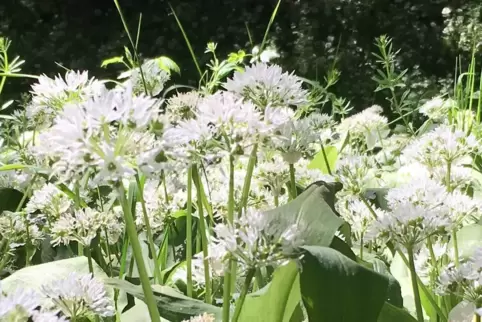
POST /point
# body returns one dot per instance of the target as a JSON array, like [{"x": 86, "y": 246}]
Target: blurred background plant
[{"x": 308, "y": 36}]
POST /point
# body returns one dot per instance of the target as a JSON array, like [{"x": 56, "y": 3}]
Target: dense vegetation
[
  {"x": 309, "y": 34},
  {"x": 317, "y": 162}
]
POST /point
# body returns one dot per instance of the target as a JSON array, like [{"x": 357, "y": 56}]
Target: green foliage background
[{"x": 79, "y": 34}]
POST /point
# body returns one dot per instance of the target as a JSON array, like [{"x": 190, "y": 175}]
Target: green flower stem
[
  {"x": 88, "y": 253},
  {"x": 189, "y": 233},
  {"x": 456, "y": 248},
  {"x": 150, "y": 238},
  {"x": 204, "y": 238},
  {"x": 276, "y": 200},
  {"x": 228, "y": 276},
  {"x": 293, "y": 181},
  {"x": 368, "y": 205},
  {"x": 416, "y": 293},
  {"x": 325, "y": 158},
  {"x": 247, "y": 179},
  {"x": 361, "y": 247},
  {"x": 244, "y": 292},
  {"x": 433, "y": 259},
  {"x": 477, "y": 318},
  {"x": 136, "y": 248}
]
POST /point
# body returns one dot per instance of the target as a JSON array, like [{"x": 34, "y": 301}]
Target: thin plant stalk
[
  {"x": 228, "y": 276},
  {"x": 456, "y": 248},
  {"x": 416, "y": 292},
  {"x": 425, "y": 291},
  {"x": 247, "y": 179},
  {"x": 325, "y": 158},
  {"x": 189, "y": 233},
  {"x": 88, "y": 253},
  {"x": 477, "y": 318},
  {"x": 293, "y": 181},
  {"x": 150, "y": 238},
  {"x": 361, "y": 247},
  {"x": 204, "y": 239},
  {"x": 244, "y": 292},
  {"x": 136, "y": 248}
]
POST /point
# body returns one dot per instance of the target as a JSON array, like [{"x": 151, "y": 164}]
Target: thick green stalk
[
  {"x": 88, "y": 253},
  {"x": 242, "y": 296},
  {"x": 189, "y": 233},
  {"x": 247, "y": 179},
  {"x": 204, "y": 238},
  {"x": 416, "y": 293},
  {"x": 228, "y": 276},
  {"x": 136, "y": 248},
  {"x": 425, "y": 291},
  {"x": 361, "y": 247},
  {"x": 477, "y": 318},
  {"x": 325, "y": 158},
  {"x": 456, "y": 248},
  {"x": 293, "y": 181},
  {"x": 150, "y": 238}
]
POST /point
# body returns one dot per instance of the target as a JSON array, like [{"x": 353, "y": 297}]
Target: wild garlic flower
[
  {"x": 464, "y": 281},
  {"x": 408, "y": 224},
  {"x": 49, "y": 96},
  {"x": 19, "y": 305},
  {"x": 272, "y": 173},
  {"x": 81, "y": 226},
  {"x": 366, "y": 128},
  {"x": 104, "y": 135},
  {"x": 79, "y": 295},
  {"x": 223, "y": 124},
  {"x": 152, "y": 79},
  {"x": 354, "y": 173},
  {"x": 462, "y": 208},
  {"x": 441, "y": 146},
  {"x": 50, "y": 201},
  {"x": 256, "y": 240},
  {"x": 422, "y": 192},
  {"x": 206, "y": 317},
  {"x": 424, "y": 263},
  {"x": 293, "y": 139},
  {"x": 437, "y": 108},
  {"x": 182, "y": 106},
  {"x": 358, "y": 215},
  {"x": 305, "y": 176},
  {"x": 268, "y": 85},
  {"x": 18, "y": 227}
]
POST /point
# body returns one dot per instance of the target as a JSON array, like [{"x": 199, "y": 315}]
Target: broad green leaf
[
  {"x": 394, "y": 292},
  {"x": 391, "y": 313},
  {"x": 314, "y": 211},
  {"x": 469, "y": 238},
  {"x": 168, "y": 64},
  {"x": 172, "y": 305},
  {"x": 336, "y": 288},
  {"x": 277, "y": 301},
  {"x": 32, "y": 277},
  {"x": 339, "y": 245},
  {"x": 319, "y": 161},
  {"x": 112, "y": 60},
  {"x": 137, "y": 313},
  {"x": 9, "y": 199}
]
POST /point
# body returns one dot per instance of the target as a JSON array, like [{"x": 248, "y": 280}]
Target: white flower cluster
[
  {"x": 50, "y": 96},
  {"x": 75, "y": 296},
  {"x": 255, "y": 240},
  {"x": 267, "y": 85}
]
